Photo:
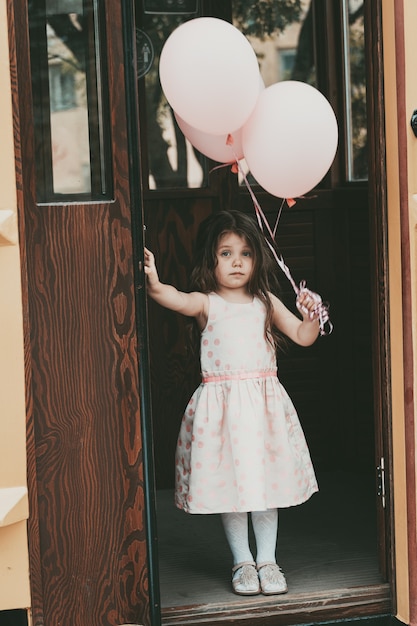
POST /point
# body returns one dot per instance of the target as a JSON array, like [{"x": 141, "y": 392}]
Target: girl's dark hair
[{"x": 263, "y": 280}]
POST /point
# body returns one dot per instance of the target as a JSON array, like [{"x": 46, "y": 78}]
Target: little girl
[{"x": 240, "y": 448}]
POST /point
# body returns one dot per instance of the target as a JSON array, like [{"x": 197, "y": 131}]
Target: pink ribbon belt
[{"x": 238, "y": 376}]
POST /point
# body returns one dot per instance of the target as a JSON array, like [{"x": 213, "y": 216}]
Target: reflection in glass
[
  {"x": 69, "y": 116},
  {"x": 283, "y": 39},
  {"x": 172, "y": 160},
  {"x": 67, "y": 81},
  {"x": 355, "y": 88},
  {"x": 281, "y": 36},
  {"x": 283, "y": 42}
]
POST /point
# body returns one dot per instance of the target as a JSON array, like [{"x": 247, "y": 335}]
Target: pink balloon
[
  {"x": 210, "y": 75},
  {"x": 215, "y": 147},
  {"x": 290, "y": 140}
]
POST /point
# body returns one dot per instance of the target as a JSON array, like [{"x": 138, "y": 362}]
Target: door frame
[
  {"x": 378, "y": 206},
  {"x": 129, "y": 21}
]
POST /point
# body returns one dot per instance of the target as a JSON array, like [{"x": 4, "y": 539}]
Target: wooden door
[{"x": 88, "y": 548}]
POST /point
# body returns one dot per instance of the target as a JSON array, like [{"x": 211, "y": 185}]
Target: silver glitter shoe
[
  {"x": 245, "y": 581},
  {"x": 272, "y": 579}
]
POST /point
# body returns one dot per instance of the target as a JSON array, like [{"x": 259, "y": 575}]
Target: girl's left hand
[{"x": 308, "y": 303}]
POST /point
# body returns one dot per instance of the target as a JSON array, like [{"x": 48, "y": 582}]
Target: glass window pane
[
  {"x": 172, "y": 161},
  {"x": 282, "y": 38},
  {"x": 68, "y": 78},
  {"x": 282, "y": 35},
  {"x": 355, "y": 89}
]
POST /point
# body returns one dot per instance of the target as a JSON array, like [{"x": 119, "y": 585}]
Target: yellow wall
[
  {"x": 410, "y": 20},
  {"x": 14, "y": 567},
  {"x": 395, "y": 269}
]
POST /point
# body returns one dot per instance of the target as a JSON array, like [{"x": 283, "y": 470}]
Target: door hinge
[{"x": 380, "y": 476}]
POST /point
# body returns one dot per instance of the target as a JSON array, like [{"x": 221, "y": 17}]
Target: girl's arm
[
  {"x": 192, "y": 304},
  {"x": 305, "y": 331}
]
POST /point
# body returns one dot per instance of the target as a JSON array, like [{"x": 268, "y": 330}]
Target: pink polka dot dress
[{"x": 241, "y": 446}]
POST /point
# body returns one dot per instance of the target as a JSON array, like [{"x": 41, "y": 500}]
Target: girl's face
[{"x": 234, "y": 262}]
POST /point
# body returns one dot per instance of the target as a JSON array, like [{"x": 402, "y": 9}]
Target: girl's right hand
[
  {"x": 194, "y": 304},
  {"x": 150, "y": 267}
]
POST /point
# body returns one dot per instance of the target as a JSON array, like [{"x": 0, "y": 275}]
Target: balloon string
[
  {"x": 322, "y": 308},
  {"x": 278, "y": 217},
  {"x": 218, "y": 167}
]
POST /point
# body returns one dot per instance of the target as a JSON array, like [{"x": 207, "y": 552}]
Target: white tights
[{"x": 265, "y": 528}]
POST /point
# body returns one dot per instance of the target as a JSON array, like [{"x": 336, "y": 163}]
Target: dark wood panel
[{"x": 86, "y": 413}]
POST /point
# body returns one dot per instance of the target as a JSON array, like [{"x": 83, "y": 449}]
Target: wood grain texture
[
  {"x": 87, "y": 531},
  {"x": 310, "y": 609},
  {"x": 86, "y": 414}
]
